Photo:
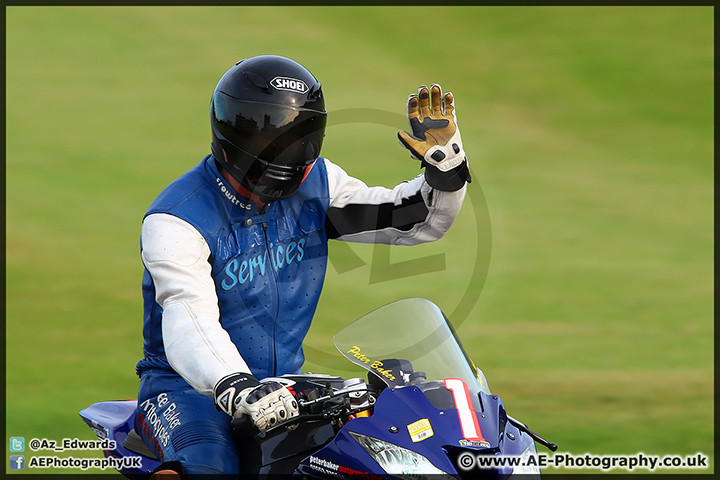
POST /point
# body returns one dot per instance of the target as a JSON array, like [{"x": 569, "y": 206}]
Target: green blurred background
[{"x": 579, "y": 273}]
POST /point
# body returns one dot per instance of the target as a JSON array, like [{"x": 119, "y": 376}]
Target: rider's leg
[{"x": 181, "y": 425}]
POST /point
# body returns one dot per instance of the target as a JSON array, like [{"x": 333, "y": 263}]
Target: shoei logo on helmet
[{"x": 289, "y": 84}]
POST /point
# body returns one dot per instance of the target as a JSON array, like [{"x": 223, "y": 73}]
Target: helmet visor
[{"x": 278, "y": 134}]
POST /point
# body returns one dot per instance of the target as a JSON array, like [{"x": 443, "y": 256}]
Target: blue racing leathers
[
  {"x": 228, "y": 289},
  {"x": 258, "y": 263}
]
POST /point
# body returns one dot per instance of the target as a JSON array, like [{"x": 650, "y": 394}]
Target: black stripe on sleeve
[{"x": 364, "y": 217}]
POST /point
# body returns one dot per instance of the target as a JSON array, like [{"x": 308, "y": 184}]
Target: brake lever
[
  {"x": 334, "y": 411},
  {"x": 339, "y": 393}
]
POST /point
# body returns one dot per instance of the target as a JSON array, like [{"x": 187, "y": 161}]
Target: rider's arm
[
  {"x": 196, "y": 345},
  {"x": 413, "y": 212}
]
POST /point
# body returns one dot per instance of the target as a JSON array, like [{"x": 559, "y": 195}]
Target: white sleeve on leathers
[
  {"x": 196, "y": 345},
  {"x": 350, "y": 194}
]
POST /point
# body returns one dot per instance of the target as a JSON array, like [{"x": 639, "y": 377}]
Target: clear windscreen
[{"x": 407, "y": 341}]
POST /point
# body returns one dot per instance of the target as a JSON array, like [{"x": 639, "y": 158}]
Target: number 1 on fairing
[{"x": 466, "y": 414}]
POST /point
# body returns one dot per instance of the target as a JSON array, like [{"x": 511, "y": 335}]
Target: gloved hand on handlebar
[
  {"x": 267, "y": 403},
  {"x": 435, "y": 138}
]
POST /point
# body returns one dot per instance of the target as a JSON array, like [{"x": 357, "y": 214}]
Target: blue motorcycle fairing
[
  {"x": 114, "y": 420},
  {"x": 401, "y": 408}
]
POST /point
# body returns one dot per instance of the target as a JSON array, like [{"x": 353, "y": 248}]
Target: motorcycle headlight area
[
  {"x": 396, "y": 460},
  {"x": 528, "y": 470}
]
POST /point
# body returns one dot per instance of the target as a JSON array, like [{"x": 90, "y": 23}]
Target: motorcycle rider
[{"x": 235, "y": 252}]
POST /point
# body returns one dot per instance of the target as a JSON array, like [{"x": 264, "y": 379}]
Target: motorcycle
[{"x": 424, "y": 411}]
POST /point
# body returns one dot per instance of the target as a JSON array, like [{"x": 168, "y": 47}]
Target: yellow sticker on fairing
[{"x": 420, "y": 430}]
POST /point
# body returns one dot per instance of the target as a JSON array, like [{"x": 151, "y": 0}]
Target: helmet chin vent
[{"x": 279, "y": 172}]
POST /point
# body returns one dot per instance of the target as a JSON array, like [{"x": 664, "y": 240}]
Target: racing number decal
[{"x": 468, "y": 418}]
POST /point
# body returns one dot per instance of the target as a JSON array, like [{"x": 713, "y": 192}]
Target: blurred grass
[{"x": 590, "y": 136}]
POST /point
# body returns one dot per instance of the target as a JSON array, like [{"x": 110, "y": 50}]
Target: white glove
[
  {"x": 435, "y": 138},
  {"x": 267, "y": 404}
]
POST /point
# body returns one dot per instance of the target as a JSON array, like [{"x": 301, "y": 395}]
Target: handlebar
[{"x": 339, "y": 406}]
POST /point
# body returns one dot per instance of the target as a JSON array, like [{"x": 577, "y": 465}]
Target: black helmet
[{"x": 268, "y": 122}]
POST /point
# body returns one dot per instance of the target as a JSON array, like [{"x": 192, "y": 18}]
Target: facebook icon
[{"x": 17, "y": 462}]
